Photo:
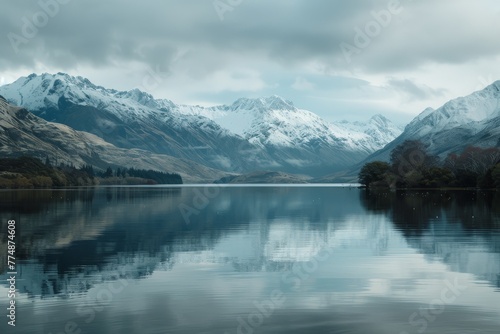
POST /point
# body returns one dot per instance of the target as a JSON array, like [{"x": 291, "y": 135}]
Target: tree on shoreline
[
  {"x": 411, "y": 166},
  {"x": 30, "y": 172},
  {"x": 373, "y": 172}
]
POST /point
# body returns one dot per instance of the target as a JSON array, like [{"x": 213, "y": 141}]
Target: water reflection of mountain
[
  {"x": 61, "y": 236},
  {"x": 459, "y": 228},
  {"x": 73, "y": 239}
]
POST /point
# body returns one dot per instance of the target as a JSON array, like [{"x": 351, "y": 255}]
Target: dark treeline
[
  {"x": 29, "y": 172},
  {"x": 153, "y": 177},
  {"x": 411, "y": 166}
]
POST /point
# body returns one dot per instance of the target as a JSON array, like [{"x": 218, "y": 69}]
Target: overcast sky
[{"x": 316, "y": 53}]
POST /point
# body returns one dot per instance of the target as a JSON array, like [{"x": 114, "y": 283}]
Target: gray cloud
[
  {"x": 261, "y": 47},
  {"x": 285, "y": 32},
  {"x": 413, "y": 90}
]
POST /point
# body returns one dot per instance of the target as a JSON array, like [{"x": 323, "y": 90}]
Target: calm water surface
[{"x": 252, "y": 260}]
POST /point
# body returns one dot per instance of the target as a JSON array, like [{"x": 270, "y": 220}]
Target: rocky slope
[{"x": 22, "y": 133}]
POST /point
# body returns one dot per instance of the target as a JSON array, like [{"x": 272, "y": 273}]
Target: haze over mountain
[{"x": 251, "y": 134}]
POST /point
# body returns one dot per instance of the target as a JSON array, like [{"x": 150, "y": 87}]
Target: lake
[{"x": 274, "y": 259}]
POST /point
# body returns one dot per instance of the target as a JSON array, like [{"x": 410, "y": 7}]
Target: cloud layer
[{"x": 212, "y": 50}]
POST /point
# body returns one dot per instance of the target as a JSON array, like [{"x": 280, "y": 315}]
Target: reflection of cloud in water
[{"x": 202, "y": 276}]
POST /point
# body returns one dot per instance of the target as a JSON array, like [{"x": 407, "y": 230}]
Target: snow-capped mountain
[
  {"x": 378, "y": 131},
  {"x": 470, "y": 120},
  {"x": 132, "y": 119},
  {"x": 21, "y": 132},
  {"x": 251, "y": 134},
  {"x": 277, "y": 122}
]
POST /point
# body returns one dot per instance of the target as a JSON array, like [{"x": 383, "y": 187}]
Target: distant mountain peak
[
  {"x": 495, "y": 86},
  {"x": 379, "y": 118},
  {"x": 138, "y": 96},
  {"x": 276, "y": 102},
  {"x": 59, "y": 79},
  {"x": 36, "y": 91},
  {"x": 215, "y": 136},
  {"x": 273, "y": 102},
  {"x": 469, "y": 120}
]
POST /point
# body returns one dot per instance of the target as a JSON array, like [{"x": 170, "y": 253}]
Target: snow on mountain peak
[
  {"x": 262, "y": 121},
  {"x": 262, "y": 104},
  {"x": 275, "y": 102},
  {"x": 139, "y": 96},
  {"x": 276, "y": 121},
  {"x": 380, "y": 120},
  {"x": 494, "y": 88},
  {"x": 43, "y": 91},
  {"x": 372, "y": 134},
  {"x": 477, "y": 107}
]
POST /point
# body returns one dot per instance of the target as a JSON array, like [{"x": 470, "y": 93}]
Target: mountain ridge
[
  {"x": 23, "y": 133},
  {"x": 273, "y": 134},
  {"x": 471, "y": 120},
  {"x": 251, "y": 134}
]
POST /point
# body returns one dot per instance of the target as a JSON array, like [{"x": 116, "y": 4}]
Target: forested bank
[
  {"x": 29, "y": 172},
  {"x": 411, "y": 166}
]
